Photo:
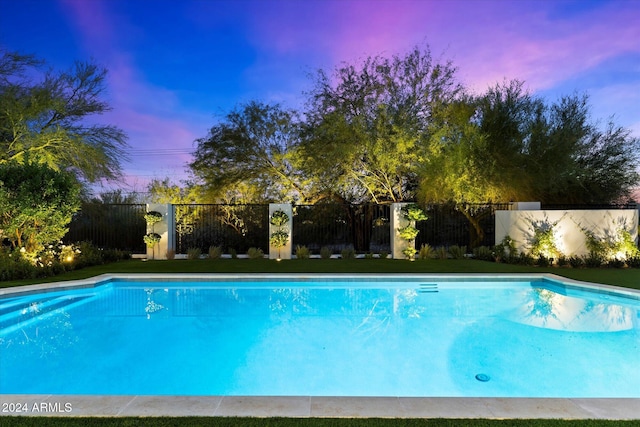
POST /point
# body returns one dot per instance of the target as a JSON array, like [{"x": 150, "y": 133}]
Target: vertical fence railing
[
  {"x": 364, "y": 227},
  {"x": 237, "y": 227},
  {"x": 469, "y": 225},
  {"x": 109, "y": 226}
]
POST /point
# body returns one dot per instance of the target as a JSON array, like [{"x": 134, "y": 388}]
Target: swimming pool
[{"x": 324, "y": 335}]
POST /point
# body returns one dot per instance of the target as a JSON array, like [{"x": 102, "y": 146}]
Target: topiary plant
[
  {"x": 413, "y": 212},
  {"x": 279, "y": 219},
  {"x": 152, "y": 217}
]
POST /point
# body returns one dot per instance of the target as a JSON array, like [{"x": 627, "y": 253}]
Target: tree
[
  {"x": 165, "y": 191},
  {"x": 45, "y": 120},
  {"x": 507, "y": 145},
  {"x": 366, "y": 125},
  {"x": 252, "y": 147},
  {"x": 36, "y": 204},
  {"x": 552, "y": 152}
]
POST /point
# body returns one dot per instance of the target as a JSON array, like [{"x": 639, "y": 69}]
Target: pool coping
[{"x": 315, "y": 406}]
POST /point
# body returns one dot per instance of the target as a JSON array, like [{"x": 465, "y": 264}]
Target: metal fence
[
  {"x": 238, "y": 227},
  {"x": 364, "y": 227},
  {"x": 109, "y": 226},
  {"x": 469, "y": 225}
]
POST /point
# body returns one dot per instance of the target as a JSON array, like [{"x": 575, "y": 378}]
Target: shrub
[
  {"x": 87, "y": 255},
  {"x": 523, "y": 259},
  {"x": 633, "y": 262},
  {"x": 255, "y": 253},
  {"x": 483, "y": 253},
  {"x": 442, "y": 253},
  {"x": 543, "y": 261},
  {"x": 368, "y": 255},
  {"x": 194, "y": 253},
  {"x": 325, "y": 252},
  {"x": 383, "y": 254},
  {"x": 562, "y": 261},
  {"x": 215, "y": 252},
  {"x": 302, "y": 252},
  {"x": 457, "y": 252},
  {"x": 506, "y": 250},
  {"x": 576, "y": 262},
  {"x": 593, "y": 260},
  {"x": 233, "y": 253},
  {"x": 543, "y": 243},
  {"x": 426, "y": 252},
  {"x": 615, "y": 263},
  {"x": 348, "y": 253},
  {"x": 36, "y": 205}
]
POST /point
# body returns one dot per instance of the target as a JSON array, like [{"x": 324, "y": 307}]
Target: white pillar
[
  {"x": 165, "y": 228},
  {"x": 398, "y": 221},
  {"x": 285, "y": 251}
]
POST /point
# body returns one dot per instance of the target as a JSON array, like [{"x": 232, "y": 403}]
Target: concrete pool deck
[
  {"x": 318, "y": 407},
  {"x": 310, "y": 406}
]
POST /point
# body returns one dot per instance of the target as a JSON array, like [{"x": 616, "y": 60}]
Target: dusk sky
[{"x": 175, "y": 67}]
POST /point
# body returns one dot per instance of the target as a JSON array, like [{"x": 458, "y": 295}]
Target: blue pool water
[{"x": 385, "y": 337}]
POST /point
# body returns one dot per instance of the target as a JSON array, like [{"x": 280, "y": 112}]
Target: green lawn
[
  {"x": 627, "y": 277},
  {"x": 620, "y": 277},
  {"x": 299, "y": 422}
]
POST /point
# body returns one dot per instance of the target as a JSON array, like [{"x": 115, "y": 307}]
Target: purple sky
[{"x": 175, "y": 66}]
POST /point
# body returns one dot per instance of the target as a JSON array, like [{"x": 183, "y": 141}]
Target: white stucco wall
[{"x": 570, "y": 239}]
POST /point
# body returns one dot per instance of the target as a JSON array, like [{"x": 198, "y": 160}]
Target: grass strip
[{"x": 298, "y": 422}]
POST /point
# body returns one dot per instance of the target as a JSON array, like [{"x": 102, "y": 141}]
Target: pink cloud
[
  {"x": 147, "y": 113},
  {"x": 488, "y": 40}
]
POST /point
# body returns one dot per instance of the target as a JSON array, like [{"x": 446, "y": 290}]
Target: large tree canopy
[
  {"x": 507, "y": 145},
  {"x": 404, "y": 129},
  {"x": 251, "y": 149},
  {"x": 44, "y": 120},
  {"x": 366, "y": 124}
]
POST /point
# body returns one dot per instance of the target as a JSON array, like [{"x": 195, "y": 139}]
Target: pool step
[
  {"x": 19, "y": 312},
  {"x": 428, "y": 288}
]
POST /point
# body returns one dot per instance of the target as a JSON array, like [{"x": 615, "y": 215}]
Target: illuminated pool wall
[{"x": 568, "y": 226}]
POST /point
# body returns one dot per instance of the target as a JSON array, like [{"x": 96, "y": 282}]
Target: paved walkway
[{"x": 305, "y": 406}]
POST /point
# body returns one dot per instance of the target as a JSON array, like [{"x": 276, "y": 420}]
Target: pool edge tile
[
  {"x": 264, "y": 406},
  {"x": 174, "y": 406},
  {"x": 612, "y": 409},
  {"x": 358, "y": 407}
]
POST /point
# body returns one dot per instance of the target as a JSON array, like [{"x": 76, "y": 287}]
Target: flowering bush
[{"x": 53, "y": 259}]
